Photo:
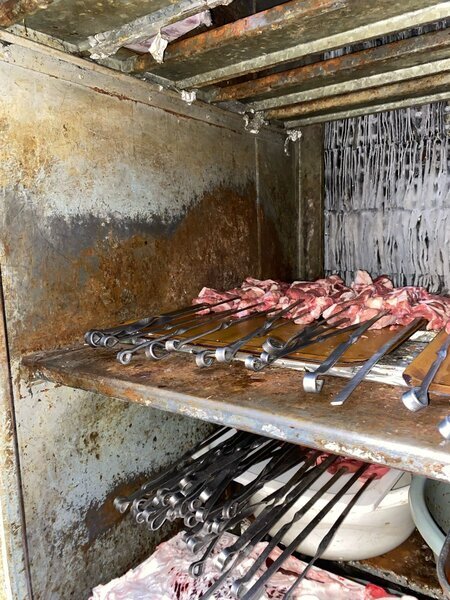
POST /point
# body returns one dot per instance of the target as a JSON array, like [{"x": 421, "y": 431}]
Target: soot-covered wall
[{"x": 387, "y": 196}]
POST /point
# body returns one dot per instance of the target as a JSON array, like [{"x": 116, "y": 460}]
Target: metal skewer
[
  {"x": 122, "y": 503},
  {"x": 444, "y": 427},
  {"x": 345, "y": 393},
  {"x": 174, "y": 345},
  {"x": 273, "y": 345},
  {"x": 269, "y": 516},
  {"x": 418, "y": 397},
  {"x": 328, "y": 538},
  {"x": 311, "y": 383},
  {"x": 258, "y": 363},
  {"x": 239, "y": 586},
  {"x": 102, "y": 337},
  {"x": 227, "y": 353},
  {"x": 238, "y": 557},
  {"x": 254, "y": 592},
  {"x": 155, "y": 348}
]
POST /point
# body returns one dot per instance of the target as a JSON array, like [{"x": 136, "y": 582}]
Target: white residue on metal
[
  {"x": 387, "y": 198},
  {"x": 387, "y": 192},
  {"x": 293, "y": 135},
  {"x": 254, "y": 121},
  {"x": 196, "y": 413},
  {"x": 275, "y": 431},
  {"x": 189, "y": 96},
  {"x": 355, "y": 452}
]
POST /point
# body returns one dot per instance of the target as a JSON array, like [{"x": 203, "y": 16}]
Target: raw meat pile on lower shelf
[
  {"x": 164, "y": 576},
  {"x": 328, "y": 297}
]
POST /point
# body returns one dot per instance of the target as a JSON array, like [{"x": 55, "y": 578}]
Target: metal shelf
[{"x": 372, "y": 426}]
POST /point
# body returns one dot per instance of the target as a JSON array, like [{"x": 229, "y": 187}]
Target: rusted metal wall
[{"x": 111, "y": 208}]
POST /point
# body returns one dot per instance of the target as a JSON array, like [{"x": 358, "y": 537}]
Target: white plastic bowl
[
  {"x": 379, "y": 522},
  {"x": 430, "y": 508}
]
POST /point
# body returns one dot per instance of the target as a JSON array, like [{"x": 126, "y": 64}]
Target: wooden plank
[
  {"x": 412, "y": 51},
  {"x": 373, "y": 425},
  {"x": 371, "y": 97}
]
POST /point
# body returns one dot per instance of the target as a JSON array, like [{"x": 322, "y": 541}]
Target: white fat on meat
[{"x": 164, "y": 576}]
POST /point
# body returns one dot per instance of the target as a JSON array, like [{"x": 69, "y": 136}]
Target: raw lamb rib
[
  {"x": 330, "y": 297},
  {"x": 164, "y": 576}
]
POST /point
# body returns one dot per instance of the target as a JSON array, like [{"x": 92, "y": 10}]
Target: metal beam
[
  {"x": 367, "y": 110},
  {"x": 380, "y": 59},
  {"x": 352, "y": 85},
  {"x": 412, "y": 88},
  {"x": 102, "y": 45},
  {"x": 12, "y": 11},
  {"x": 286, "y": 33}
]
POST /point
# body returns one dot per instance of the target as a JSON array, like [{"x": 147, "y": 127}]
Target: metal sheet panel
[
  {"x": 285, "y": 33},
  {"x": 373, "y": 426},
  {"x": 75, "y": 21},
  {"x": 352, "y": 66},
  {"x": 108, "y": 208}
]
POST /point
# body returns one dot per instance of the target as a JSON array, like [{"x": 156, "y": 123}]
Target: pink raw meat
[
  {"x": 330, "y": 298},
  {"x": 164, "y": 576},
  {"x": 353, "y": 465}
]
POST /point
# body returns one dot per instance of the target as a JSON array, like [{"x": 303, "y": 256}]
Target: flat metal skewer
[
  {"x": 444, "y": 427},
  {"x": 345, "y": 393},
  {"x": 97, "y": 338},
  {"x": 239, "y": 586},
  {"x": 418, "y": 397},
  {"x": 311, "y": 383},
  {"x": 255, "y": 591},
  {"x": 328, "y": 538}
]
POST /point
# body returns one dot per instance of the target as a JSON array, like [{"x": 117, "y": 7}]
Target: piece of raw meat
[{"x": 164, "y": 576}]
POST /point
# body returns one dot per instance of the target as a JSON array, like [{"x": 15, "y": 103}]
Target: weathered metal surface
[
  {"x": 78, "y": 450},
  {"x": 311, "y": 200},
  {"x": 277, "y": 210},
  {"x": 272, "y": 37},
  {"x": 109, "y": 201},
  {"x": 372, "y": 426},
  {"x": 385, "y": 58},
  {"x": 14, "y": 575},
  {"x": 75, "y": 22},
  {"x": 414, "y": 88},
  {"x": 383, "y": 224},
  {"x": 12, "y": 11},
  {"x": 29, "y": 54},
  {"x": 411, "y": 566},
  {"x": 367, "y": 110},
  {"x": 107, "y": 43},
  {"x": 356, "y": 83}
]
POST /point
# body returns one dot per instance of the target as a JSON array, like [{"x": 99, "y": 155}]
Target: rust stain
[
  {"x": 120, "y": 278},
  {"x": 12, "y": 11},
  {"x": 102, "y": 517},
  {"x": 412, "y": 561},
  {"x": 338, "y": 65},
  {"x": 112, "y": 94}
]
